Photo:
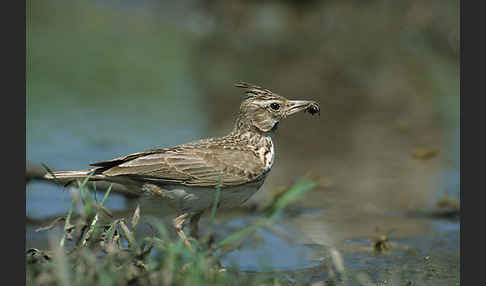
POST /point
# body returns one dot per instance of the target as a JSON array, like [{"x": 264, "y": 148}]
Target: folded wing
[{"x": 186, "y": 165}]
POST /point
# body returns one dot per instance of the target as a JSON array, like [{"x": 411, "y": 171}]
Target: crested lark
[{"x": 187, "y": 176}]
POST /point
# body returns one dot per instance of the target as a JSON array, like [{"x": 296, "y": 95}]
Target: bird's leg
[
  {"x": 179, "y": 225},
  {"x": 194, "y": 224}
]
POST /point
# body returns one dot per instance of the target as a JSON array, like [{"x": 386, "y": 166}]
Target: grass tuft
[{"x": 106, "y": 251}]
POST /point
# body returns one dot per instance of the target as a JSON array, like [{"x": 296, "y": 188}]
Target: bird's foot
[{"x": 179, "y": 225}]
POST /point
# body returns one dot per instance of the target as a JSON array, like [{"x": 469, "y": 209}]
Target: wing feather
[{"x": 187, "y": 165}]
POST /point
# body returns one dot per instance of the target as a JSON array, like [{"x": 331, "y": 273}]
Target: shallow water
[{"x": 127, "y": 93}]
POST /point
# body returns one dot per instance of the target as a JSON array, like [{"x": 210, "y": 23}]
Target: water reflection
[
  {"x": 45, "y": 200},
  {"x": 269, "y": 250}
]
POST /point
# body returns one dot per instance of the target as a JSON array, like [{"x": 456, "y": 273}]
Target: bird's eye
[{"x": 275, "y": 106}]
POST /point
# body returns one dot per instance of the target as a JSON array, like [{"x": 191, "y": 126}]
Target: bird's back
[{"x": 231, "y": 160}]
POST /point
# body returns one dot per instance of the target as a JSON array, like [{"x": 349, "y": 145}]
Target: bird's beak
[{"x": 294, "y": 106}]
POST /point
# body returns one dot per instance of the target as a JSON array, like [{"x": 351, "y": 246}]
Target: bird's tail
[{"x": 68, "y": 176}]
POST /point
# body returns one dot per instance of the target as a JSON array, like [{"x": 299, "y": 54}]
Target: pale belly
[{"x": 185, "y": 199}]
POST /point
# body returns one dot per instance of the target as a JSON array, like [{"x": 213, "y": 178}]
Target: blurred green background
[{"x": 108, "y": 78}]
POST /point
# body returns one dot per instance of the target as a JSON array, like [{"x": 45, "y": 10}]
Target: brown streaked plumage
[{"x": 187, "y": 176}]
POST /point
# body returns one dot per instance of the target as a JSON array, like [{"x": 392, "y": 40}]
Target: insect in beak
[{"x": 295, "y": 106}]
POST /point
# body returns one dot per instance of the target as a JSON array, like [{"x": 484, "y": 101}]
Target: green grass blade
[
  {"x": 68, "y": 218},
  {"x": 289, "y": 196},
  {"x": 106, "y": 194},
  {"x": 216, "y": 200},
  {"x": 276, "y": 208},
  {"x": 85, "y": 180},
  {"x": 240, "y": 234},
  {"x": 49, "y": 170},
  {"x": 95, "y": 193}
]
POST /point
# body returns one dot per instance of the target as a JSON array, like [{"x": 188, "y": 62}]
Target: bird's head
[{"x": 263, "y": 109}]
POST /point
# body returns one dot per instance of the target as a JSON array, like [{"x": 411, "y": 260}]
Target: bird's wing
[
  {"x": 188, "y": 165},
  {"x": 120, "y": 160}
]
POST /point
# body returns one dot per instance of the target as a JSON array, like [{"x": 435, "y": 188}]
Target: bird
[{"x": 187, "y": 176}]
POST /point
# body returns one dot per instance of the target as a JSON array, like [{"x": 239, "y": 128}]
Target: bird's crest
[{"x": 253, "y": 91}]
